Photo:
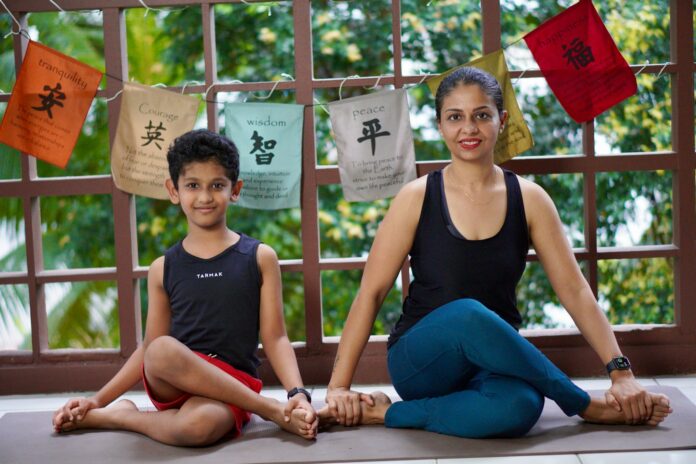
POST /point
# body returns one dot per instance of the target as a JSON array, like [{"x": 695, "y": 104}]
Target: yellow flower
[
  {"x": 327, "y": 51},
  {"x": 353, "y": 53},
  {"x": 331, "y": 36},
  {"x": 355, "y": 231},
  {"x": 267, "y": 36},
  {"x": 157, "y": 227}
]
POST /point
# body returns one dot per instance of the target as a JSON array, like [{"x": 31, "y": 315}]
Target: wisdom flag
[
  {"x": 581, "y": 63},
  {"x": 269, "y": 139},
  {"x": 516, "y": 137},
  {"x": 49, "y": 104},
  {"x": 149, "y": 121},
  {"x": 374, "y": 143}
]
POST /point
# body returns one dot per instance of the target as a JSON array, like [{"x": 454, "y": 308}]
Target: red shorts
[{"x": 241, "y": 416}]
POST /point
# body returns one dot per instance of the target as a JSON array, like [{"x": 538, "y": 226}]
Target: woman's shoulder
[{"x": 412, "y": 194}]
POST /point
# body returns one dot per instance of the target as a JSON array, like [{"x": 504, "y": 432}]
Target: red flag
[
  {"x": 581, "y": 62},
  {"x": 49, "y": 104}
]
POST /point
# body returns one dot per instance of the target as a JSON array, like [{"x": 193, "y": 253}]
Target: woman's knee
[{"x": 525, "y": 407}]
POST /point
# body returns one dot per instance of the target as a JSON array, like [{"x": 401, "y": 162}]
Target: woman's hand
[
  {"x": 627, "y": 395},
  {"x": 344, "y": 405}
]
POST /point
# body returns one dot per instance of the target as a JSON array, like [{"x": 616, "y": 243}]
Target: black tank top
[
  {"x": 446, "y": 266},
  {"x": 215, "y": 302}
]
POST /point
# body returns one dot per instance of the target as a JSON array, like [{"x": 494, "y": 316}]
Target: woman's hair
[
  {"x": 199, "y": 146},
  {"x": 469, "y": 76}
]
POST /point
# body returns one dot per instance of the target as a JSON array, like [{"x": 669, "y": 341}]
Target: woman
[{"x": 455, "y": 356}]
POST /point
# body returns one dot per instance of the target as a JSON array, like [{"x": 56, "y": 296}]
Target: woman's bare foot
[
  {"x": 661, "y": 409},
  {"x": 101, "y": 417},
  {"x": 326, "y": 419},
  {"x": 372, "y": 415},
  {"x": 600, "y": 412}
]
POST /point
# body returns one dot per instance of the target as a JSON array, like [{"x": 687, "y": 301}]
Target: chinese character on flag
[
  {"x": 49, "y": 104},
  {"x": 581, "y": 62}
]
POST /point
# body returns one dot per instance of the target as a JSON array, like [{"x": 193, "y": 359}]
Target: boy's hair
[
  {"x": 469, "y": 76},
  {"x": 199, "y": 146}
]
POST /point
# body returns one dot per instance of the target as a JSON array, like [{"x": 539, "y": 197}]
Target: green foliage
[{"x": 349, "y": 38}]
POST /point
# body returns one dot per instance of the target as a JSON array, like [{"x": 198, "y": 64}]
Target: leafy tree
[{"x": 350, "y": 38}]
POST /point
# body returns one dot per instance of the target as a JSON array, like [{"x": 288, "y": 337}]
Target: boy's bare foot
[
  {"x": 372, "y": 415},
  {"x": 600, "y": 412},
  {"x": 301, "y": 423},
  {"x": 100, "y": 417}
]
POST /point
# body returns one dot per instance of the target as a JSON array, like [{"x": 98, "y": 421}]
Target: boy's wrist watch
[
  {"x": 297, "y": 390},
  {"x": 620, "y": 363}
]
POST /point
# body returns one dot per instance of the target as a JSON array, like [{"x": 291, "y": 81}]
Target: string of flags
[{"x": 373, "y": 135}]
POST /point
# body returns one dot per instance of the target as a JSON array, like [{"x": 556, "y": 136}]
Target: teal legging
[{"x": 464, "y": 371}]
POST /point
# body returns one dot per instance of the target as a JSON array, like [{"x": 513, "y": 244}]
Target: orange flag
[{"x": 49, "y": 104}]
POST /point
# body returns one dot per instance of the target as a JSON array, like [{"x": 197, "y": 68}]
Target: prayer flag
[
  {"x": 516, "y": 137},
  {"x": 269, "y": 139},
  {"x": 374, "y": 143},
  {"x": 49, "y": 104},
  {"x": 149, "y": 121},
  {"x": 581, "y": 62}
]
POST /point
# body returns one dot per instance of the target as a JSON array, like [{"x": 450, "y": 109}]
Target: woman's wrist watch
[
  {"x": 620, "y": 363},
  {"x": 297, "y": 390}
]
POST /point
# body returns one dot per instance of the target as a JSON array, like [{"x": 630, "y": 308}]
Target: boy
[{"x": 209, "y": 296}]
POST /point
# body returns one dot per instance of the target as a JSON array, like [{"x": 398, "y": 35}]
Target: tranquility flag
[
  {"x": 269, "y": 139},
  {"x": 49, "y": 104},
  {"x": 149, "y": 121},
  {"x": 374, "y": 143},
  {"x": 516, "y": 137},
  {"x": 581, "y": 62}
]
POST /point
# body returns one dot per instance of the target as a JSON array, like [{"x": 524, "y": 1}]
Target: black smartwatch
[
  {"x": 297, "y": 390},
  {"x": 620, "y": 363}
]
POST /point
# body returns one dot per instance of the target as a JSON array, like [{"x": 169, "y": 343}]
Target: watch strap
[{"x": 297, "y": 390}]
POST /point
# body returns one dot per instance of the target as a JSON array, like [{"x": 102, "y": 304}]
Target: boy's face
[{"x": 204, "y": 192}]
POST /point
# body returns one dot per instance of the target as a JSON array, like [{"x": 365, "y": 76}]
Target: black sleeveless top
[
  {"x": 215, "y": 302},
  {"x": 446, "y": 266}
]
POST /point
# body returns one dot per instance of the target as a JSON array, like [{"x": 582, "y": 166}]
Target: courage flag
[
  {"x": 149, "y": 121},
  {"x": 374, "y": 143},
  {"x": 269, "y": 139},
  {"x": 516, "y": 137},
  {"x": 581, "y": 62},
  {"x": 49, "y": 104}
]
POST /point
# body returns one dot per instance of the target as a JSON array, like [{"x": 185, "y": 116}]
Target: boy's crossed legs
[{"x": 171, "y": 370}]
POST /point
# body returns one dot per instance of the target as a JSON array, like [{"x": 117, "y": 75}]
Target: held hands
[
  {"x": 344, "y": 405},
  {"x": 72, "y": 412},
  {"x": 298, "y": 408}
]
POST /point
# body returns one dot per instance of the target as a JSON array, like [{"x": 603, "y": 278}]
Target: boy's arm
[
  {"x": 274, "y": 338},
  {"x": 158, "y": 319}
]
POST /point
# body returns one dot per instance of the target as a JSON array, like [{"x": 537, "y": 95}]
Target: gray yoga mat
[{"x": 28, "y": 438}]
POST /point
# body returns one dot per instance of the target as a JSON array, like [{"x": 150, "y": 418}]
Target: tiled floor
[{"x": 686, "y": 384}]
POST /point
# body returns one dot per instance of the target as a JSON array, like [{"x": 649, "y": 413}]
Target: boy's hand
[
  {"x": 344, "y": 405},
  {"x": 73, "y": 411},
  {"x": 300, "y": 403}
]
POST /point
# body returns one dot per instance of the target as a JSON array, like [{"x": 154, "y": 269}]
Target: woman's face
[{"x": 470, "y": 122}]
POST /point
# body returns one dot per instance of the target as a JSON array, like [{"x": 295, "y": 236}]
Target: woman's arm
[
  {"x": 389, "y": 250},
  {"x": 575, "y": 295}
]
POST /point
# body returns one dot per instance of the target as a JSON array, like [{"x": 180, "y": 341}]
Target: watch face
[{"x": 622, "y": 363}]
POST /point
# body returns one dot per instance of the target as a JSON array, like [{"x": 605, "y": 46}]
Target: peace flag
[
  {"x": 374, "y": 143},
  {"x": 49, "y": 104},
  {"x": 581, "y": 62},
  {"x": 516, "y": 137},
  {"x": 269, "y": 139},
  {"x": 149, "y": 121}
]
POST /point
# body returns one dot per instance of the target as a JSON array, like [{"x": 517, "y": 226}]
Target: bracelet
[{"x": 297, "y": 390}]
